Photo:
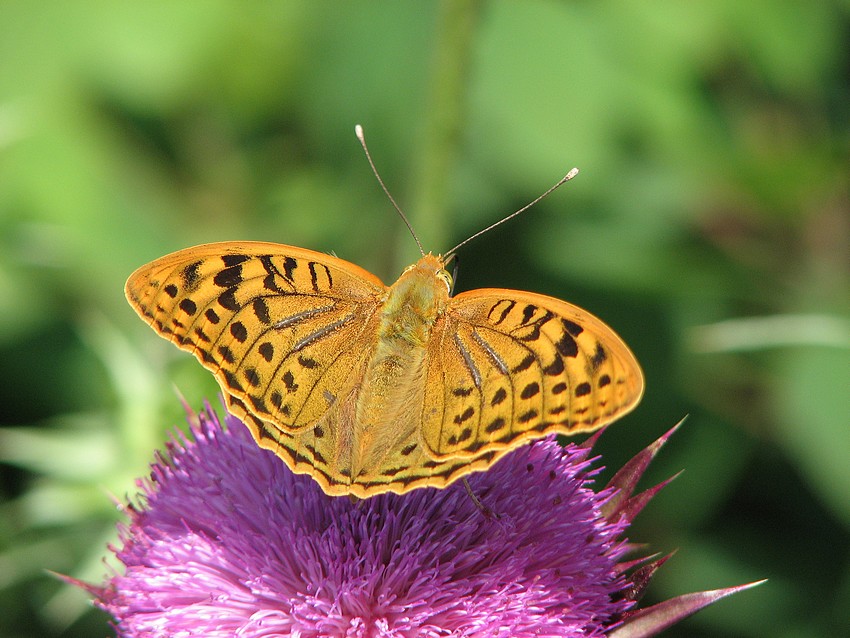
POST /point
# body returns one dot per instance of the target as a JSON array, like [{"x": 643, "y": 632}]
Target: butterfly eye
[{"x": 446, "y": 278}]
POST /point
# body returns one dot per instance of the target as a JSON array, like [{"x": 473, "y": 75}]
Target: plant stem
[{"x": 442, "y": 126}]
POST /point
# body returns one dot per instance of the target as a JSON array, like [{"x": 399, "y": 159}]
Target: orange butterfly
[{"x": 370, "y": 388}]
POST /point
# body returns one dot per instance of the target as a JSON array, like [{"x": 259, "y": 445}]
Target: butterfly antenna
[
  {"x": 358, "y": 131},
  {"x": 561, "y": 182}
]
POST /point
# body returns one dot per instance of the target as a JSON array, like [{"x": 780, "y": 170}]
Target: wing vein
[
  {"x": 300, "y": 316},
  {"x": 320, "y": 333},
  {"x": 490, "y": 352},
  {"x": 470, "y": 364}
]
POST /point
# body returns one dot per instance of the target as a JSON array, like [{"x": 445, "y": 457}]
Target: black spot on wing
[
  {"x": 228, "y": 277},
  {"x": 474, "y": 446},
  {"x": 276, "y": 399},
  {"x": 239, "y": 331},
  {"x": 555, "y": 368},
  {"x": 188, "y": 306},
  {"x": 269, "y": 282},
  {"x": 498, "y": 397},
  {"x": 567, "y": 346},
  {"x": 528, "y": 416},
  {"x": 266, "y": 350},
  {"x": 316, "y": 455},
  {"x": 289, "y": 382},
  {"x": 258, "y": 403},
  {"x": 268, "y": 265},
  {"x": 525, "y": 364},
  {"x": 508, "y": 306},
  {"x": 226, "y": 354},
  {"x": 307, "y": 362},
  {"x": 573, "y": 328},
  {"x": 534, "y": 328},
  {"x": 599, "y": 356},
  {"x": 233, "y": 260},
  {"x": 227, "y": 300},
  {"x": 289, "y": 266},
  {"x": 190, "y": 275},
  {"x": 231, "y": 381},
  {"x": 531, "y": 390},
  {"x": 467, "y": 414},
  {"x": 314, "y": 267},
  {"x": 170, "y": 290},
  {"x": 261, "y": 310},
  {"x": 252, "y": 376},
  {"x": 495, "y": 425}
]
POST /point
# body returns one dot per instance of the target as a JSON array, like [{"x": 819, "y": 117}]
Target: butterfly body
[
  {"x": 392, "y": 391},
  {"x": 373, "y": 389}
]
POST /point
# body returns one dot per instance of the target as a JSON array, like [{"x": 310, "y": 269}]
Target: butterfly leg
[{"x": 488, "y": 513}]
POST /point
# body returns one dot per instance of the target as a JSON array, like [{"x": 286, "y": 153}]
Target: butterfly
[{"x": 371, "y": 388}]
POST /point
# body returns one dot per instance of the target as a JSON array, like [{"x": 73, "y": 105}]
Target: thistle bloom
[{"x": 226, "y": 541}]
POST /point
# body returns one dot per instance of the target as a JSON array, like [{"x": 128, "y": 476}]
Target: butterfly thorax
[
  {"x": 395, "y": 374},
  {"x": 414, "y": 302}
]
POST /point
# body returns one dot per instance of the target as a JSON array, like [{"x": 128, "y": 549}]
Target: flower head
[{"x": 226, "y": 541}]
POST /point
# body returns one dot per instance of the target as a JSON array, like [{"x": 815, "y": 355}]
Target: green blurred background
[{"x": 710, "y": 226}]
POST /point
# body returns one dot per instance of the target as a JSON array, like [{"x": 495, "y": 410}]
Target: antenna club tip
[
  {"x": 358, "y": 131},
  {"x": 572, "y": 173}
]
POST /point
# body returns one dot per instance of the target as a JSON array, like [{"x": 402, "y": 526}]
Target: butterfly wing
[
  {"x": 509, "y": 366},
  {"x": 281, "y": 328}
]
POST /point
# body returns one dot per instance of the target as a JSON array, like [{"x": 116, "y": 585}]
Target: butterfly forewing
[
  {"x": 512, "y": 366},
  {"x": 280, "y": 327}
]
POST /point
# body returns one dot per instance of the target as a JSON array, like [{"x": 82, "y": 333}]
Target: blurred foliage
[{"x": 710, "y": 226}]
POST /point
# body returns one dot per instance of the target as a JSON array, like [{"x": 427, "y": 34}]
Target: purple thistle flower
[{"x": 226, "y": 541}]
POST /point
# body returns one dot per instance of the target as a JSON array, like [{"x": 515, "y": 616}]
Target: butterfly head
[
  {"x": 431, "y": 269},
  {"x": 423, "y": 289}
]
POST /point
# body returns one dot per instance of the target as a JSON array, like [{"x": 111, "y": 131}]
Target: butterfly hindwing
[
  {"x": 275, "y": 324},
  {"x": 512, "y": 366}
]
